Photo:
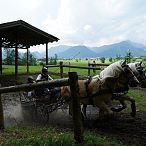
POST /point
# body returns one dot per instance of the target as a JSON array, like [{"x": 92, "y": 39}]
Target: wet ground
[{"x": 131, "y": 131}]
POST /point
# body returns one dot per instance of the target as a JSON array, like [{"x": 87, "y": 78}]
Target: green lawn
[
  {"x": 41, "y": 136},
  {"x": 48, "y": 136}
]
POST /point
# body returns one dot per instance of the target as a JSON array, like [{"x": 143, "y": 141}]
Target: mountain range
[{"x": 113, "y": 50}]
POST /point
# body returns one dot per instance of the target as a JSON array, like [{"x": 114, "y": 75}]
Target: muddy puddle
[{"x": 17, "y": 113}]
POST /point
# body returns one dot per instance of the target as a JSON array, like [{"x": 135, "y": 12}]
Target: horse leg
[
  {"x": 70, "y": 109},
  {"x": 70, "y": 112},
  {"x": 84, "y": 110},
  {"x": 131, "y": 99},
  {"x": 101, "y": 113},
  {"x": 119, "y": 109},
  {"x": 133, "y": 106},
  {"x": 104, "y": 108}
]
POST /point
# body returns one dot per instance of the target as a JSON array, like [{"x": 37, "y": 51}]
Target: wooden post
[
  {"x": 1, "y": 57},
  {"x": 69, "y": 65},
  {"x": 88, "y": 69},
  {"x": 77, "y": 120},
  {"x": 16, "y": 60},
  {"x": 27, "y": 61},
  {"x": 1, "y": 113},
  {"x": 46, "y": 53},
  {"x": 61, "y": 69}
]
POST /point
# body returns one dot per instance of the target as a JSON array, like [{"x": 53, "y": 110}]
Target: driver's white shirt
[{"x": 39, "y": 77}]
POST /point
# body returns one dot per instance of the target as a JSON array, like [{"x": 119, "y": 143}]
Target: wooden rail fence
[
  {"x": 90, "y": 66},
  {"x": 72, "y": 81}
]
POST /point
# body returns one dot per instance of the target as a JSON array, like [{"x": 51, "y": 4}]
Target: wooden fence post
[
  {"x": 77, "y": 120},
  {"x": 88, "y": 69},
  {"x": 1, "y": 113},
  {"x": 61, "y": 69},
  {"x": 69, "y": 65}
]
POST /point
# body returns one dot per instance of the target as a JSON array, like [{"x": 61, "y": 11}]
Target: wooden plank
[
  {"x": 32, "y": 86},
  {"x": 0, "y": 58},
  {"x": 76, "y": 109},
  {"x": 1, "y": 113}
]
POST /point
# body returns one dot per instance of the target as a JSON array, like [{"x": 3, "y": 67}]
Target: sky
[{"x": 81, "y": 22}]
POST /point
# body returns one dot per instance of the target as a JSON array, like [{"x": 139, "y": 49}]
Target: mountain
[
  {"x": 113, "y": 50},
  {"x": 57, "y": 49},
  {"x": 51, "y": 51},
  {"x": 38, "y": 55},
  {"x": 77, "y": 52},
  {"x": 120, "y": 49}
]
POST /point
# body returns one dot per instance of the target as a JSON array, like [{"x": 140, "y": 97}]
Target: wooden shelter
[{"x": 21, "y": 35}]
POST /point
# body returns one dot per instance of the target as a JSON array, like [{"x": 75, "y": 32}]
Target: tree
[
  {"x": 53, "y": 60},
  {"x": 128, "y": 56},
  {"x": 118, "y": 57},
  {"x": 32, "y": 60},
  {"x": 9, "y": 55},
  {"x": 110, "y": 59},
  {"x": 102, "y": 59}
]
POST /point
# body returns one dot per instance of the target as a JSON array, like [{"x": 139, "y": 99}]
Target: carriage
[{"x": 43, "y": 104}]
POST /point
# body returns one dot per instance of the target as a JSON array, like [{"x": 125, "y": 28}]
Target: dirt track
[{"x": 131, "y": 131}]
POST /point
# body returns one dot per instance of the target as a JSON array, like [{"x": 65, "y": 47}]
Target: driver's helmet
[{"x": 44, "y": 70}]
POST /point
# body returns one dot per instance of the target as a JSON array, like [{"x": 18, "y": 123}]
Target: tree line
[{"x": 9, "y": 58}]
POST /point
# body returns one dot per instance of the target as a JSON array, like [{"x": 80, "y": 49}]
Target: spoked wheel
[
  {"x": 64, "y": 108},
  {"x": 42, "y": 113},
  {"x": 26, "y": 100}
]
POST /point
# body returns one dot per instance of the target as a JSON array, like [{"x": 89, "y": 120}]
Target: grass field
[{"x": 50, "y": 136}]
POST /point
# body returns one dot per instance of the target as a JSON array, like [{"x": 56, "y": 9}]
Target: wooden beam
[
  {"x": 16, "y": 60},
  {"x": 1, "y": 113},
  {"x": 27, "y": 60},
  {"x": 1, "y": 57},
  {"x": 32, "y": 86},
  {"x": 46, "y": 53},
  {"x": 76, "y": 109}
]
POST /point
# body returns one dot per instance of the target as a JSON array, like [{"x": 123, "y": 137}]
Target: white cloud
[
  {"x": 80, "y": 21},
  {"x": 87, "y": 28},
  {"x": 91, "y": 22}
]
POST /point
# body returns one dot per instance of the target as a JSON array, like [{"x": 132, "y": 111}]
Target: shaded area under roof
[{"x": 23, "y": 35}]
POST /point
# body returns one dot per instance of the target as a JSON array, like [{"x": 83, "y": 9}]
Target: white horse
[
  {"x": 139, "y": 71},
  {"x": 114, "y": 70},
  {"x": 100, "y": 92}
]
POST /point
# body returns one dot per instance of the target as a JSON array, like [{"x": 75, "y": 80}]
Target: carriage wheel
[{"x": 42, "y": 113}]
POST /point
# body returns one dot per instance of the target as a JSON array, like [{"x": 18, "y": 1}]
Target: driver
[{"x": 43, "y": 77}]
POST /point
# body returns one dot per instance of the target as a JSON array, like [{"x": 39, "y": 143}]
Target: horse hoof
[
  {"x": 114, "y": 109},
  {"x": 132, "y": 114}
]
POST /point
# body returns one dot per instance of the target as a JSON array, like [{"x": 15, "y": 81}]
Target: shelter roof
[{"x": 23, "y": 35}]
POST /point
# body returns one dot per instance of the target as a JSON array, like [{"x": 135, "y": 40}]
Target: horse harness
[
  {"x": 87, "y": 82},
  {"x": 115, "y": 95},
  {"x": 90, "y": 95}
]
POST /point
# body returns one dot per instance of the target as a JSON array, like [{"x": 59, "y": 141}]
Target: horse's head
[
  {"x": 126, "y": 77},
  {"x": 138, "y": 70}
]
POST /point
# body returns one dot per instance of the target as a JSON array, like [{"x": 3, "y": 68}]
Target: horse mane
[{"x": 113, "y": 70}]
